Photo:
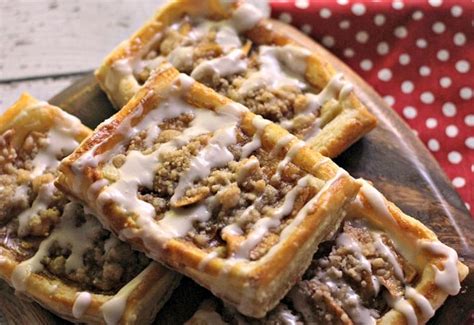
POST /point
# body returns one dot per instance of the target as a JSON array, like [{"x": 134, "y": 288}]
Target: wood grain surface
[{"x": 391, "y": 156}]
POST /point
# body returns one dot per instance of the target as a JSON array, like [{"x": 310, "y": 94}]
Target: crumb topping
[{"x": 238, "y": 193}]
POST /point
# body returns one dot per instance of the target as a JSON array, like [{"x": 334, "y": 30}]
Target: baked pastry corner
[
  {"x": 201, "y": 184},
  {"x": 54, "y": 251}
]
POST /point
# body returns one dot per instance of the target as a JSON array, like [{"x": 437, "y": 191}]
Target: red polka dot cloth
[{"x": 418, "y": 55}]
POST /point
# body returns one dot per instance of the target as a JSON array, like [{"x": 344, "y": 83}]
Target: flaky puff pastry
[
  {"x": 28, "y": 237},
  {"x": 332, "y": 120},
  {"x": 439, "y": 270},
  {"x": 384, "y": 267},
  {"x": 222, "y": 194}
]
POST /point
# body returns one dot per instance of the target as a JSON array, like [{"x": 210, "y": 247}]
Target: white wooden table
[{"x": 48, "y": 44}]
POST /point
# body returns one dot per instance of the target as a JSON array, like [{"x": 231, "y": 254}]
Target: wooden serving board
[{"x": 391, "y": 156}]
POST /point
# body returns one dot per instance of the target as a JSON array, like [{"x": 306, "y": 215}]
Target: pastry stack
[{"x": 216, "y": 166}]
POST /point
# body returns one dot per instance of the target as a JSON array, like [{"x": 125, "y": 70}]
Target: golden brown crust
[
  {"x": 254, "y": 286},
  {"x": 156, "y": 282},
  {"x": 407, "y": 234},
  {"x": 350, "y": 125}
]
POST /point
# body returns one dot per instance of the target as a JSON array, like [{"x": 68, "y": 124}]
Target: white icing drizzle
[
  {"x": 60, "y": 142},
  {"x": 245, "y": 17},
  {"x": 228, "y": 38},
  {"x": 21, "y": 193},
  {"x": 279, "y": 66},
  {"x": 177, "y": 222},
  {"x": 138, "y": 169},
  {"x": 81, "y": 303},
  {"x": 423, "y": 304},
  {"x": 209, "y": 257},
  {"x": 314, "y": 130},
  {"x": 113, "y": 309},
  {"x": 215, "y": 154},
  {"x": 259, "y": 123},
  {"x": 376, "y": 201},
  {"x": 336, "y": 88},
  {"x": 66, "y": 234},
  {"x": 181, "y": 56},
  {"x": 263, "y": 225},
  {"x": 232, "y": 63},
  {"x": 288, "y": 158},
  {"x": 41, "y": 202},
  {"x": 345, "y": 240},
  {"x": 288, "y": 318},
  {"x": 243, "y": 172},
  {"x": 303, "y": 213},
  {"x": 386, "y": 252},
  {"x": 353, "y": 306},
  {"x": 322, "y": 161},
  {"x": 448, "y": 278},
  {"x": 121, "y": 75},
  {"x": 404, "y": 307},
  {"x": 283, "y": 141}
]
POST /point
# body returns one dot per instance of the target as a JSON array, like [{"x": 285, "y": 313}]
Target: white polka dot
[
  {"x": 425, "y": 71},
  {"x": 427, "y": 97},
  {"x": 449, "y": 109},
  {"x": 358, "y": 9},
  {"x": 328, "y": 41},
  {"x": 384, "y": 74},
  {"x": 435, "y": 3},
  {"x": 285, "y": 17},
  {"x": 407, "y": 86},
  {"x": 400, "y": 32},
  {"x": 452, "y": 131},
  {"x": 389, "y": 100},
  {"x": 445, "y": 82},
  {"x": 459, "y": 39},
  {"x": 456, "y": 11},
  {"x": 468, "y": 206},
  {"x": 344, "y": 24},
  {"x": 366, "y": 64},
  {"x": 469, "y": 142},
  {"x": 463, "y": 66},
  {"x": 415, "y": 132},
  {"x": 469, "y": 120},
  {"x": 342, "y": 2},
  {"x": 379, "y": 20},
  {"x": 325, "y": 13},
  {"x": 302, "y": 4},
  {"x": 439, "y": 27},
  {"x": 431, "y": 123},
  {"x": 459, "y": 182},
  {"x": 433, "y": 145},
  {"x": 410, "y": 112},
  {"x": 421, "y": 43},
  {"x": 417, "y": 15},
  {"x": 383, "y": 48},
  {"x": 465, "y": 93},
  {"x": 443, "y": 55},
  {"x": 306, "y": 28},
  {"x": 404, "y": 59},
  {"x": 454, "y": 157},
  {"x": 398, "y": 4},
  {"x": 362, "y": 36},
  {"x": 349, "y": 53}
]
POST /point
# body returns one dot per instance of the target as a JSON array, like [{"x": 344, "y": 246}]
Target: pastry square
[
  {"x": 203, "y": 185},
  {"x": 53, "y": 250},
  {"x": 381, "y": 266},
  {"x": 236, "y": 51}
]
